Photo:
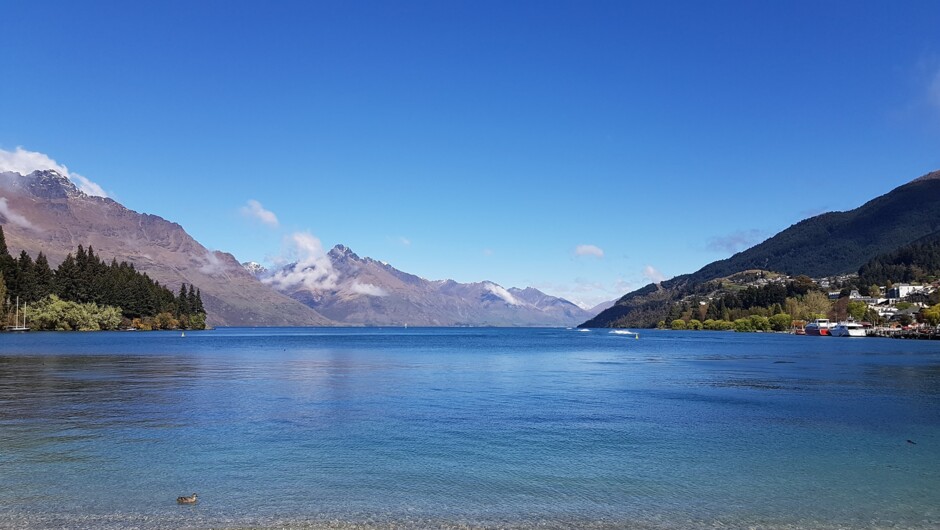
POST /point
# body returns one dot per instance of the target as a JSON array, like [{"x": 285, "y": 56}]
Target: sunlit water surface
[{"x": 476, "y": 427}]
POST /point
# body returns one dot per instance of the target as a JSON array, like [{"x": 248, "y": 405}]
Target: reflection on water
[{"x": 483, "y": 427}]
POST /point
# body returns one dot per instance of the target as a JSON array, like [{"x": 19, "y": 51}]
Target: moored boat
[
  {"x": 818, "y": 327},
  {"x": 847, "y": 328}
]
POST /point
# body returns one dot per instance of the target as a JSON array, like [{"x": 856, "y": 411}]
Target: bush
[
  {"x": 760, "y": 323},
  {"x": 53, "y": 313},
  {"x": 780, "y": 322}
]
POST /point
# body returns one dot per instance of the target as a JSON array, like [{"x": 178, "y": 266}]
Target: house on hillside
[{"x": 904, "y": 290}]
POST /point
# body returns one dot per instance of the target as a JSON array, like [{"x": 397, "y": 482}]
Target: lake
[{"x": 421, "y": 428}]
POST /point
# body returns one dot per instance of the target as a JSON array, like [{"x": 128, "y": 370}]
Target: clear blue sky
[{"x": 481, "y": 140}]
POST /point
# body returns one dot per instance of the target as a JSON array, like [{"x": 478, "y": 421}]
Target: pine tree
[
  {"x": 199, "y": 307},
  {"x": 82, "y": 285},
  {"x": 44, "y": 277},
  {"x": 7, "y": 263},
  {"x": 182, "y": 302},
  {"x": 191, "y": 300},
  {"x": 66, "y": 279},
  {"x": 25, "y": 278}
]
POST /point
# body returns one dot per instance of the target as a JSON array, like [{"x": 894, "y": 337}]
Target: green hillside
[{"x": 825, "y": 245}]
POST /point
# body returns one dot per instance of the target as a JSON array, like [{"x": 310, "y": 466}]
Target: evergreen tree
[
  {"x": 82, "y": 285},
  {"x": 44, "y": 277},
  {"x": 191, "y": 300},
  {"x": 25, "y": 278},
  {"x": 7, "y": 263},
  {"x": 182, "y": 302},
  {"x": 66, "y": 279},
  {"x": 199, "y": 307}
]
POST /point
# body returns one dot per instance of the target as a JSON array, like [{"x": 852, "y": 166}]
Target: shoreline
[{"x": 195, "y": 521}]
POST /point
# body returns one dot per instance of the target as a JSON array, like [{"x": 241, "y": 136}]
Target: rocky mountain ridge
[
  {"x": 364, "y": 291},
  {"x": 45, "y": 212}
]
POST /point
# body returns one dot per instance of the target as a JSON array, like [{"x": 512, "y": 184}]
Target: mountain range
[
  {"x": 45, "y": 212},
  {"x": 830, "y": 244},
  {"x": 367, "y": 292}
]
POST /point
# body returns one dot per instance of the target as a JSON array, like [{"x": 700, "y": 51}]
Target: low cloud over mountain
[{"x": 353, "y": 290}]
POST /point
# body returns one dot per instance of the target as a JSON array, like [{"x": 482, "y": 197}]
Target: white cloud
[
  {"x": 213, "y": 265},
  {"x": 487, "y": 252},
  {"x": 404, "y": 241},
  {"x": 652, "y": 274},
  {"x": 589, "y": 250},
  {"x": 87, "y": 186},
  {"x": 312, "y": 268},
  {"x": 502, "y": 293},
  {"x": 13, "y": 217},
  {"x": 254, "y": 210},
  {"x": 25, "y": 162},
  {"x": 367, "y": 289}
]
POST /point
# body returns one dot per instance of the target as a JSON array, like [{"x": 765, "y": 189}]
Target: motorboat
[{"x": 847, "y": 328}]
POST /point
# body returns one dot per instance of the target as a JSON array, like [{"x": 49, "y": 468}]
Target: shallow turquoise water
[{"x": 449, "y": 427}]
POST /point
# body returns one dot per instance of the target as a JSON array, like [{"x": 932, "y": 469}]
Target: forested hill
[
  {"x": 826, "y": 245},
  {"x": 840, "y": 242},
  {"x": 917, "y": 262}
]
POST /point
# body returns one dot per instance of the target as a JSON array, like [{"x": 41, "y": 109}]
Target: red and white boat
[{"x": 818, "y": 327}]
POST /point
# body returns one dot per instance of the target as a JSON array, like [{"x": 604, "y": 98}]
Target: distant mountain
[
  {"x": 601, "y": 306},
  {"x": 368, "y": 292},
  {"x": 44, "y": 211},
  {"x": 826, "y": 245},
  {"x": 254, "y": 268}
]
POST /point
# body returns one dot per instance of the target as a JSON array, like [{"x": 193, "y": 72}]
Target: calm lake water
[{"x": 479, "y": 427}]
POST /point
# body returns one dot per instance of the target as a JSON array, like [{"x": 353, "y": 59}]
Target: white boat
[
  {"x": 16, "y": 320},
  {"x": 633, "y": 334},
  {"x": 847, "y": 328}
]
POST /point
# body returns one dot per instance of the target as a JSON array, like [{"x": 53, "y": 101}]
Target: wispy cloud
[
  {"x": 25, "y": 162},
  {"x": 367, "y": 289},
  {"x": 735, "y": 241},
  {"x": 652, "y": 274},
  {"x": 254, "y": 210},
  {"x": 7, "y": 213},
  {"x": 312, "y": 268},
  {"x": 487, "y": 252},
  {"x": 589, "y": 250},
  {"x": 501, "y": 292},
  {"x": 586, "y": 293},
  {"x": 398, "y": 240},
  {"x": 213, "y": 266}
]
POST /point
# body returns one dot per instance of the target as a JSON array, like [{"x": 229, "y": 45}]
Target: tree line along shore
[
  {"x": 84, "y": 293},
  {"x": 764, "y": 301}
]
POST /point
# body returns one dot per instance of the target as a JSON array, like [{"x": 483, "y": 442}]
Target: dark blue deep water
[{"x": 467, "y": 427}]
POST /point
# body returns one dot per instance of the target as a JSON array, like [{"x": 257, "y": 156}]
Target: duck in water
[{"x": 187, "y": 500}]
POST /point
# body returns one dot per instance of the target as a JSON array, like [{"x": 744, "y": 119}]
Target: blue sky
[{"x": 579, "y": 147}]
